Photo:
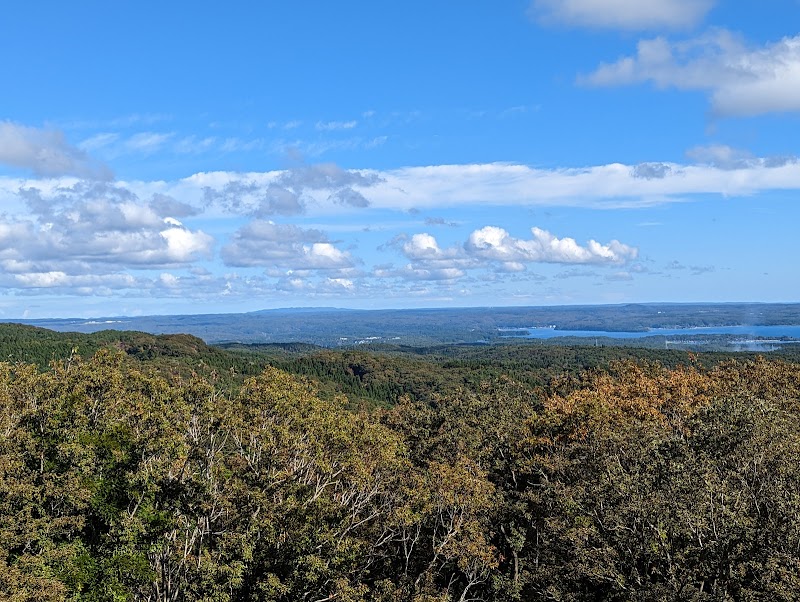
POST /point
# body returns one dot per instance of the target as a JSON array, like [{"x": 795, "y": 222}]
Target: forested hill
[
  {"x": 367, "y": 375},
  {"x": 146, "y": 472},
  {"x": 174, "y": 353}
]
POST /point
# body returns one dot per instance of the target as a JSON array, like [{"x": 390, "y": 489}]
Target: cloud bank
[
  {"x": 264, "y": 243},
  {"x": 87, "y": 237}
]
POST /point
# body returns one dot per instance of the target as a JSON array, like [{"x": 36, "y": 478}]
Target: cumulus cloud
[
  {"x": 338, "y": 285},
  {"x": 267, "y": 244},
  {"x": 739, "y": 80},
  {"x": 288, "y": 192},
  {"x": 183, "y": 245},
  {"x": 278, "y": 200},
  {"x": 428, "y": 261},
  {"x": 424, "y": 247},
  {"x": 168, "y": 206},
  {"x": 494, "y": 248},
  {"x": 496, "y": 244},
  {"x": 88, "y": 234},
  {"x": 623, "y": 14},
  {"x": 424, "y": 252},
  {"x": 46, "y": 152}
]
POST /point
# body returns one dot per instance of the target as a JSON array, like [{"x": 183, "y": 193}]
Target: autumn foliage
[{"x": 637, "y": 482}]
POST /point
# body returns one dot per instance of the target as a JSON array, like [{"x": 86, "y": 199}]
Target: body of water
[{"x": 758, "y": 332}]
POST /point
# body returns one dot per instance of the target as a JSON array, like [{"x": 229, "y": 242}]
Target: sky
[{"x": 176, "y": 157}]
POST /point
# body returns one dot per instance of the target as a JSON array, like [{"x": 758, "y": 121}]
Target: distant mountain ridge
[{"x": 332, "y": 327}]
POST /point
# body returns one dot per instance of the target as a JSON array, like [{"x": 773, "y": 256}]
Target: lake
[{"x": 760, "y": 332}]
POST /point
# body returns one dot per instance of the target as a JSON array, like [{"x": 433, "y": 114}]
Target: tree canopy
[{"x": 634, "y": 481}]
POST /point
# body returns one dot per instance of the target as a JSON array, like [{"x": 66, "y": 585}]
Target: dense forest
[{"x": 144, "y": 468}]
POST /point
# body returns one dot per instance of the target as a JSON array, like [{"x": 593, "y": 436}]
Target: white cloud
[
  {"x": 436, "y": 274},
  {"x": 495, "y": 249},
  {"x": 46, "y": 152},
  {"x": 319, "y": 147},
  {"x": 349, "y": 196},
  {"x": 112, "y": 145},
  {"x": 327, "y": 126},
  {"x": 419, "y": 272},
  {"x": 94, "y": 228},
  {"x": 232, "y": 145},
  {"x": 326, "y": 176},
  {"x": 323, "y": 255},
  {"x": 436, "y": 187},
  {"x": 98, "y": 141},
  {"x": 125, "y": 121},
  {"x": 264, "y": 243},
  {"x": 603, "y": 186},
  {"x": 739, "y": 80},
  {"x": 194, "y": 144},
  {"x": 147, "y": 142},
  {"x": 423, "y": 246},
  {"x": 183, "y": 245},
  {"x": 340, "y": 283},
  {"x": 62, "y": 280},
  {"x": 623, "y": 14},
  {"x": 496, "y": 244},
  {"x": 286, "y": 192},
  {"x": 168, "y": 207},
  {"x": 428, "y": 260},
  {"x": 169, "y": 280},
  {"x": 726, "y": 157}
]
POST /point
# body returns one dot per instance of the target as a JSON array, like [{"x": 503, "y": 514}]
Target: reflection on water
[{"x": 733, "y": 338}]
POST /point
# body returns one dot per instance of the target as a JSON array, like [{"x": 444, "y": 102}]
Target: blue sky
[{"x": 199, "y": 157}]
